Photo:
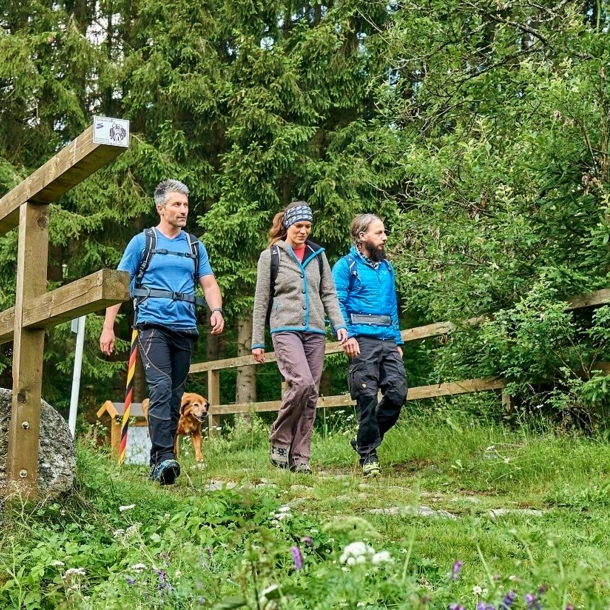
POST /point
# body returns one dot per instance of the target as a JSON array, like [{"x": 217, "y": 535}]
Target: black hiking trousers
[
  {"x": 166, "y": 356},
  {"x": 378, "y": 367}
]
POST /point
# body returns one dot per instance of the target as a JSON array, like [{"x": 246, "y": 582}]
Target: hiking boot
[
  {"x": 165, "y": 473},
  {"x": 301, "y": 468},
  {"x": 279, "y": 457},
  {"x": 371, "y": 469},
  {"x": 354, "y": 443}
]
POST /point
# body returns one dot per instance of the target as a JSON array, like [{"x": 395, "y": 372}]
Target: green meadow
[{"x": 468, "y": 513}]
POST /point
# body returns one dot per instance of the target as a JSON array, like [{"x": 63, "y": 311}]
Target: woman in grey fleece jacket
[{"x": 303, "y": 291}]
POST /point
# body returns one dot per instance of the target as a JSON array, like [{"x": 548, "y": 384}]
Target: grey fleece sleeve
[
  {"x": 328, "y": 294},
  {"x": 261, "y": 299}
]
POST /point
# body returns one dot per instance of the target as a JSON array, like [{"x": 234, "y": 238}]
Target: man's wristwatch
[{"x": 221, "y": 310}]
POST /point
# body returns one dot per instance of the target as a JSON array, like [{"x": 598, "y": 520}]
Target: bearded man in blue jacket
[{"x": 366, "y": 288}]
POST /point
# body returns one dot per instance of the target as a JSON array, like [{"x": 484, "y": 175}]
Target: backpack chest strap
[{"x": 155, "y": 293}]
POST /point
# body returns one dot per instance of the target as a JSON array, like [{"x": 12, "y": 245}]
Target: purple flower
[
  {"x": 455, "y": 571},
  {"x": 130, "y": 581},
  {"x": 531, "y": 602},
  {"x": 307, "y": 540},
  {"x": 569, "y": 607},
  {"x": 163, "y": 582},
  {"x": 296, "y": 556},
  {"x": 456, "y": 607},
  {"x": 201, "y": 600},
  {"x": 508, "y": 600}
]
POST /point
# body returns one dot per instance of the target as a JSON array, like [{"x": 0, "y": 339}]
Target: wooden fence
[
  {"x": 466, "y": 386},
  {"x": 27, "y": 207}
]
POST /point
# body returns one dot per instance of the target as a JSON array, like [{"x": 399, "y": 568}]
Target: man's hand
[
  {"x": 107, "y": 341},
  {"x": 351, "y": 348},
  {"x": 259, "y": 355},
  {"x": 217, "y": 322}
]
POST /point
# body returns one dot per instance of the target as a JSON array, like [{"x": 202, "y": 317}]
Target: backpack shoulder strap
[
  {"x": 149, "y": 250},
  {"x": 194, "y": 245},
  {"x": 351, "y": 266},
  {"x": 389, "y": 266},
  {"x": 274, "y": 266}
]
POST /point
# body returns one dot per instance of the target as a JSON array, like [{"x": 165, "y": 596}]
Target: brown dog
[{"x": 193, "y": 410}]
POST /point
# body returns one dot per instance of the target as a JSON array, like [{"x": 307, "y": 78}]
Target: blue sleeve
[
  {"x": 341, "y": 279},
  {"x": 394, "y": 307},
  {"x": 204, "y": 262},
  {"x": 132, "y": 257}
]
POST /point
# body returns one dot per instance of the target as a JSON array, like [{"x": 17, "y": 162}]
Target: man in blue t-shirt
[{"x": 165, "y": 318}]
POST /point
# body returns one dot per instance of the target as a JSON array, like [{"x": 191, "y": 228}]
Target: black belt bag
[
  {"x": 358, "y": 318},
  {"x": 154, "y": 293}
]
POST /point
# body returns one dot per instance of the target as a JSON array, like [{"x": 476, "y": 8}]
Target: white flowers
[
  {"x": 283, "y": 512},
  {"x": 56, "y": 562},
  {"x": 359, "y": 552},
  {"x": 128, "y": 507},
  {"x": 70, "y": 572},
  {"x": 381, "y": 557},
  {"x": 138, "y": 567}
]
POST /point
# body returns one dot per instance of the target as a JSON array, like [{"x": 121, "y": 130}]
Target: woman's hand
[{"x": 259, "y": 355}]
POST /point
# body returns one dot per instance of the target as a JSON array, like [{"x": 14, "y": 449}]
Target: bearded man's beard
[{"x": 376, "y": 253}]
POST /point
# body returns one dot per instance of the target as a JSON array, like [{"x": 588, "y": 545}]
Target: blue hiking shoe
[{"x": 165, "y": 473}]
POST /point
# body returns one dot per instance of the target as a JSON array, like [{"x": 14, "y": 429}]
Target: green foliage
[{"x": 242, "y": 534}]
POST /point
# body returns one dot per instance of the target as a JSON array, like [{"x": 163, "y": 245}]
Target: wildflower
[
  {"x": 296, "y": 556},
  {"x": 138, "y": 567},
  {"x": 531, "y": 602},
  {"x": 118, "y": 533},
  {"x": 201, "y": 600},
  {"x": 476, "y": 590},
  {"x": 307, "y": 540},
  {"x": 56, "y": 562},
  {"x": 381, "y": 557},
  {"x": 128, "y": 507},
  {"x": 456, "y": 607},
  {"x": 130, "y": 581},
  {"x": 73, "y": 572},
  {"x": 163, "y": 582},
  {"x": 455, "y": 572},
  {"x": 508, "y": 600},
  {"x": 357, "y": 552}
]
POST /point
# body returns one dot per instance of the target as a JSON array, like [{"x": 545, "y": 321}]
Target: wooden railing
[
  {"x": 27, "y": 207},
  {"x": 466, "y": 386}
]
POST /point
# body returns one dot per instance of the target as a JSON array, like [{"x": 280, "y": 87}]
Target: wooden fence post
[
  {"x": 214, "y": 400},
  {"x": 28, "y": 350}
]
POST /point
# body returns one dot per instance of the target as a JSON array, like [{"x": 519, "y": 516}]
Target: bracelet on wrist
[{"x": 220, "y": 309}]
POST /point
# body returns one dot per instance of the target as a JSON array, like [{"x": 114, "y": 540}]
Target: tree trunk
[{"x": 246, "y": 375}]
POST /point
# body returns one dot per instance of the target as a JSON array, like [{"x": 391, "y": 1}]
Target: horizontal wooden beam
[
  {"x": 70, "y": 166},
  {"x": 89, "y": 294},
  {"x": 344, "y": 400},
  {"x": 599, "y": 297}
]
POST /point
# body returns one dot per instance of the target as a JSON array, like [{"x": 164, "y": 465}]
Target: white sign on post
[{"x": 108, "y": 130}]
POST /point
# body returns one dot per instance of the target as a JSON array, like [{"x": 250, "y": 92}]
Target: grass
[{"x": 524, "y": 512}]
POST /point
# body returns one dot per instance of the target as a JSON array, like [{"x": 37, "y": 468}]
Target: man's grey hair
[
  {"x": 361, "y": 224},
  {"x": 169, "y": 186}
]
